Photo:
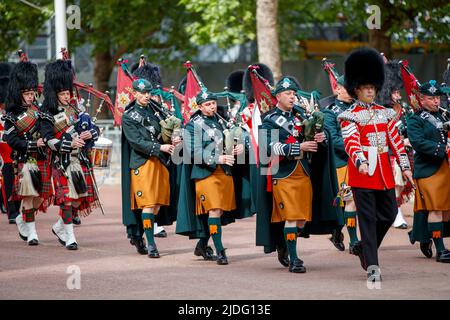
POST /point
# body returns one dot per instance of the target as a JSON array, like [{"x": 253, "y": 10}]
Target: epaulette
[{"x": 46, "y": 116}]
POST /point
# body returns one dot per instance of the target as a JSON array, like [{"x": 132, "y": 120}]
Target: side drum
[{"x": 101, "y": 153}]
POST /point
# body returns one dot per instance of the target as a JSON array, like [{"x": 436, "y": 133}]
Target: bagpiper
[
  {"x": 428, "y": 133},
  {"x": 208, "y": 198},
  {"x": 145, "y": 172},
  {"x": 70, "y": 134},
  {"x": 296, "y": 195},
  {"x": 23, "y": 121},
  {"x": 369, "y": 131}
]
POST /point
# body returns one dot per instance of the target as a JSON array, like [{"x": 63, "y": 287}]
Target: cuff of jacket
[
  {"x": 404, "y": 162},
  {"x": 65, "y": 146},
  {"x": 94, "y": 134},
  {"x": 440, "y": 150},
  {"x": 154, "y": 149},
  {"x": 32, "y": 147}
]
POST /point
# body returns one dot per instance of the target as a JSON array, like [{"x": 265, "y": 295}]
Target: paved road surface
[{"x": 111, "y": 269}]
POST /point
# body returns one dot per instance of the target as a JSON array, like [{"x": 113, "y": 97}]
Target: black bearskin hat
[
  {"x": 59, "y": 77},
  {"x": 5, "y": 71},
  {"x": 23, "y": 77},
  {"x": 392, "y": 81},
  {"x": 149, "y": 71},
  {"x": 363, "y": 66},
  {"x": 446, "y": 76},
  {"x": 263, "y": 71},
  {"x": 234, "y": 81}
]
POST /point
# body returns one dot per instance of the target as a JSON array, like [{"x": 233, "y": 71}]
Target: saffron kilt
[
  {"x": 87, "y": 203},
  {"x": 46, "y": 192}
]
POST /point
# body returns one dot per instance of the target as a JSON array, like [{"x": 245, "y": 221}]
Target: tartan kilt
[
  {"x": 46, "y": 192},
  {"x": 61, "y": 185}
]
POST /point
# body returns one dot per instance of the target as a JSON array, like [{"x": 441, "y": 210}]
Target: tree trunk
[
  {"x": 267, "y": 35},
  {"x": 379, "y": 40},
  {"x": 102, "y": 71}
]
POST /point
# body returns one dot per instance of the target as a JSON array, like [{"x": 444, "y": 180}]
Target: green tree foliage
[{"x": 20, "y": 22}]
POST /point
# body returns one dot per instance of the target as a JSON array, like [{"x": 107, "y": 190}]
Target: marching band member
[
  {"x": 145, "y": 176},
  {"x": 427, "y": 133},
  {"x": 69, "y": 134},
  {"x": 369, "y": 131},
  {"x": 23, "y": 121}
]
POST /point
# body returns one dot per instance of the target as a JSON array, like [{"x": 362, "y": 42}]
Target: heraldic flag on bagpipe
[
  {"x": 124, "y": 91},
  {"x": 193, "y": 87}
]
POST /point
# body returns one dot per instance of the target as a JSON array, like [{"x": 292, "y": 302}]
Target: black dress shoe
[
  {"x": 426, "y": 249},
  {"x": 402, "y": 226},
  {"x": 72, "y": 246},
  {"x": 357, "y": 250},
  {"x": 207, "y": 253},
  {"x": 33, "y": 242},
  {"x": 222, "y": 258},
  {"x": 12, "y": 221},
  {"x": 337, "y": 238},
  {"x": 297, "y": 266},
  {"x": 283, "y": 256},
  {"x": 162, "y": 234},
  {"x": 153, "y": 251},
  {"x": 443, "y": 256},
  {"x": 140, "y": 245}
]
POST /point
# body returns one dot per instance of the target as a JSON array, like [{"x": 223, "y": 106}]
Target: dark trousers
[
  {"x": 12, "y": 207},
  {"x": 377, "y": 210}
]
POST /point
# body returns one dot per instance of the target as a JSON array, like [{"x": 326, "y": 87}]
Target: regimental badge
[
  {"x": 205, "y": 95},
  {"x": 285, "y": 83},
  {"x": 141, "y": 85},
  {"x": 432, "y": 89}
]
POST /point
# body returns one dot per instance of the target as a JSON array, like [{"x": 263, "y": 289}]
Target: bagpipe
[
  {"x": 411, "y": 88},
  {"x": 231, "y": 128}
]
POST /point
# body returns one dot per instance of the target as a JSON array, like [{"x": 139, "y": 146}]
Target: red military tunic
[
  {"x": 372, "y": 127},
  {"x": 5, "y": 149}
]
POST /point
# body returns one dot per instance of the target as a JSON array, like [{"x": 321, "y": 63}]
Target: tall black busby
[
  {"x": 23, "y": 77},
  {"x": 363, "y": 66},
  {"x": 263, "y": 71},
  {"x": 392, "y": 81},
  {"x": 59, "y": 77},
  {"x": 235, "y": 81},
  {"x": 5, "y": 71},
  {"x": 149, "y": 71}
]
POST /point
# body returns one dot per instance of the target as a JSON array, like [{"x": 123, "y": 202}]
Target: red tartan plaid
[
  {"x": 60, "y": 183},
  {"x": 46, "y": 192}
]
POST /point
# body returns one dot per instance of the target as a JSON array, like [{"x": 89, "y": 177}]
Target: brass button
[
  {"x": 275, "y": 182},
  {"x": 281, "y": 205},
  {"x": 202, "y": 197},
  {"x": 139, "y": 193},
  {"x": 136, "y": 172}
]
